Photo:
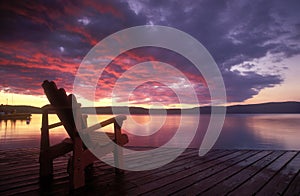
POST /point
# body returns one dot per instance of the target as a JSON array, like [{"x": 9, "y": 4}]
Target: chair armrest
[
  {"x": 117, "y": 119},
  {"x": 55, "y": 125}
]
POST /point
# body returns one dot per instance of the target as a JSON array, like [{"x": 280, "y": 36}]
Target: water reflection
[
  {"x": 238, "y": 133},
  {"x": 263, "y": 131},
  {"x": 283, "y": 131},
  {"x": 20, "y": 134}
]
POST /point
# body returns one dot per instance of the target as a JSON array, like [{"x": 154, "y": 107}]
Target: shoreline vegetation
[{"x": 263, "y": 108}]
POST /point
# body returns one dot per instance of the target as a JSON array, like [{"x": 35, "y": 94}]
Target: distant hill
[
  {"x": 21, "y": 109},
  {"x": 275, "y": 107}
]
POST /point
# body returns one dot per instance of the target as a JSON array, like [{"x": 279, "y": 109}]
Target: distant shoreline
[{"x": 291, "y": 107}]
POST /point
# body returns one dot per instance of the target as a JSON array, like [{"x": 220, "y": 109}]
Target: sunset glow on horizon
[{"x": 256, "y": 46}]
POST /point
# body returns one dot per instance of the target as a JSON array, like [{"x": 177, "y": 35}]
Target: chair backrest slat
[{"x": 62, "y": 105}]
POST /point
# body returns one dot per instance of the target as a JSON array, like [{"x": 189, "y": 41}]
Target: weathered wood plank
[
  {"x": 294, "y": 186},
  {"x": 29, "y": 169},
  {"x": 257, "y": 181},
  {"x": 28, "y": 180},
  {"x": 168, "y": 171},
  {"x": 129, "y": 176},
  {"x": 179, "y": 165},
  {"x": 219, "y": 172},
  {"x": 233, "y": 181},
  {"x": 203, "y": 182},
  {"x": 279, "y": 183},
  {"x": 180, "y": 179}
]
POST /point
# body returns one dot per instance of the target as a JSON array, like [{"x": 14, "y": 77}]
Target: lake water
[{"x": 240, "y": 131}]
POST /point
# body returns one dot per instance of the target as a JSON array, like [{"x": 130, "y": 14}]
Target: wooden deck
[{"x": 220, "y": 172}]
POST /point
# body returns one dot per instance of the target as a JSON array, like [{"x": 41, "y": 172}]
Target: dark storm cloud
[
  {"x": 48, "y": 39},
  {"x": 58, "y": 23},
  {"x": 54, "y": 36},
  {"x": 234, "y": 32},
  {"x": 241, "y": 87}
]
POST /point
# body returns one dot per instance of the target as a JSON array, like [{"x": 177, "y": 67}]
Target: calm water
[{"x": 240, "y": 131}]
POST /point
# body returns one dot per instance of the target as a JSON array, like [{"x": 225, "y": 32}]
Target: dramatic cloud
[
  {"x": 48, "y": 39},
  {"x": 234, "y": 32}
]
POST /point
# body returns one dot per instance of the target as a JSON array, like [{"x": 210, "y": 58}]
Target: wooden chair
[{"x": 81, "y": 158}]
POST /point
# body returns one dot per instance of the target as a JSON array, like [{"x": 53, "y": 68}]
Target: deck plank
[
  {"x": 219, "y": 172},
  {"x": 294, "y": 186},
  {"x": 171, "y": 170},
  {"x": 202, "y": 184},
  {"x": 279, "y": 183},
  {"x": 257, "y": 181},
  {"x": 232, "y": 182},
  {"x": 181, "y": 163},
  {"x": 185, "y": 177}
]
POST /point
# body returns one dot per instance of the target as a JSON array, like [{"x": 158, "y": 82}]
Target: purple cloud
[{"x": 48, "y": 39}]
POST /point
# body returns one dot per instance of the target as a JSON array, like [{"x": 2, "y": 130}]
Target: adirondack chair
[{"x": 81, "y": 158}]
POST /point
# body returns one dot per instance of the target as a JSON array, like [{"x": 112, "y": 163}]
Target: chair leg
[
  {"x": 88, "y": 171},
  {"x": 118, "y": 151},
  {"x": 77, "y": 174},
  {"x": 46, "y": 163},
  {"x": 77, "y": 178},
  {"x": 118, "y": 158},
  {"x": 46, "y": 166}
]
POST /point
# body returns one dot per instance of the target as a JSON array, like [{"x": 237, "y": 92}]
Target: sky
[{"x": 256, "y": 45}]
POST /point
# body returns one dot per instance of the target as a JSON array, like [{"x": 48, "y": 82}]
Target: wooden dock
[{"x": 220, "y": 172}]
